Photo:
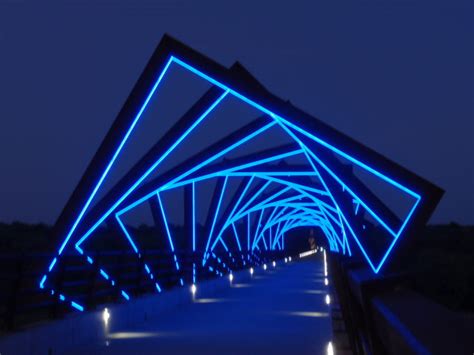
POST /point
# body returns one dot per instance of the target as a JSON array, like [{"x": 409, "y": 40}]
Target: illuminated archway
[{"x": 272, "y": 196}]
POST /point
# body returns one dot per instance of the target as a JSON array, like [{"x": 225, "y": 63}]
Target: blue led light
[
  {"x": 104, "y": 274},
  {"x": 237, "y": 237},
  {"x": 125, "y": 295},
  {"x": 166, "y": 223},
  {"x": 77, "y": 306},
  {"x": 215, "y": 216},
  {"x": 129, "y": 238},
  {"x": 43, "y": 280},
  {"x": 194, "y": 215},
  {"x": 52, "y": 264}
]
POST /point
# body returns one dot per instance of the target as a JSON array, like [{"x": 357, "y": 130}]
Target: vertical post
[
  {"x": 188, "y": 242},
  {"x": 194, "y": 232},
  {"x": 92, "y": 281},
  {"x": 248, "y": 234},
  {"x": 12, "y": 304}
]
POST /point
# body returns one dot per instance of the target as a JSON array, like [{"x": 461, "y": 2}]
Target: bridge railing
[{"x": 23, "y": 303}]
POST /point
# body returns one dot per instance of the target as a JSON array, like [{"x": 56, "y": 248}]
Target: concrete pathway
[{"x": 280, "y": 311}]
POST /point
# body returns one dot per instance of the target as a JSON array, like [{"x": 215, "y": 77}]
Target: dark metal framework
[{"x": 273, "y": 197}]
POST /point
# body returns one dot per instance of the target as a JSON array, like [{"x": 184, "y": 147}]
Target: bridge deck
[{"x": 281, "y": 311}]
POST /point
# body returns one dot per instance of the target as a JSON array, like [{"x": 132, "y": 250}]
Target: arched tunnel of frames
[{"x": 205, "y": 172}]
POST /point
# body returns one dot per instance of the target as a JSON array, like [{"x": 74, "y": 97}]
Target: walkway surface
[{"x": 280, "y": 311}]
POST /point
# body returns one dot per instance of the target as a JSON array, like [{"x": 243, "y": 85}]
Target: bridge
[{"x": 216, "y": 217}]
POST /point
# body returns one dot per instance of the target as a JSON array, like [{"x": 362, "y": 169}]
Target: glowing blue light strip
[
  {"x": 224, "y": 244},
  {"x": 257, "y": 228},
  {"x": 236, "y": 237},
  {"x": 125, "y": 295},
  {"x": 170, "y": 240},
  {"x": 215, "y": 217},
  {"x": 129, "y": 238},
  {"x": 52, "y": 264},
  {"x": 270, "y": 238},
  {"x": 77, "y": 306},
  {"x": 43, "y": 280},
  {"x": 104, "y": 274},
  {"x": 264, "y": 242},
  {"x": 165, "y": 220},
  {"x": 132, "y": 243},
  {"x": 194, "y": 215},
  {"x": 248, "y": 231}
]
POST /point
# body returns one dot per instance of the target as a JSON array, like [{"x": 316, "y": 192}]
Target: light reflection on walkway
[{"x": 278, "y": 311}]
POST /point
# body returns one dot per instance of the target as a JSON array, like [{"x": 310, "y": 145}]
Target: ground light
[
  {"x": 308, "y": 253},
  {"x": 274, "y": 264},
  {"x": 264, "y": 266},
  {"x": 106, "y": 316},
  {"x": 328, "y": 299},
  {"x": 193, "y": 289},
  {"x": 286, "y": 260},
  {"x": 231, "y": 277},
  {"x": 325, "y": 265},
  {"x": 330, "y": 349},
  {"x": 251, "y": 271},
  {"x": 289, "y": 259}
]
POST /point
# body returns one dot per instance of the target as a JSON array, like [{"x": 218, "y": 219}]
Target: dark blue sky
[{"x": 396, "y": 75}]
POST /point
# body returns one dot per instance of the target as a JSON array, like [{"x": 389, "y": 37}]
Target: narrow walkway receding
[{"x": 282, "y": 313}]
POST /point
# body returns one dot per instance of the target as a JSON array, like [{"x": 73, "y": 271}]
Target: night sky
[{"x": 395, "y": 75}]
